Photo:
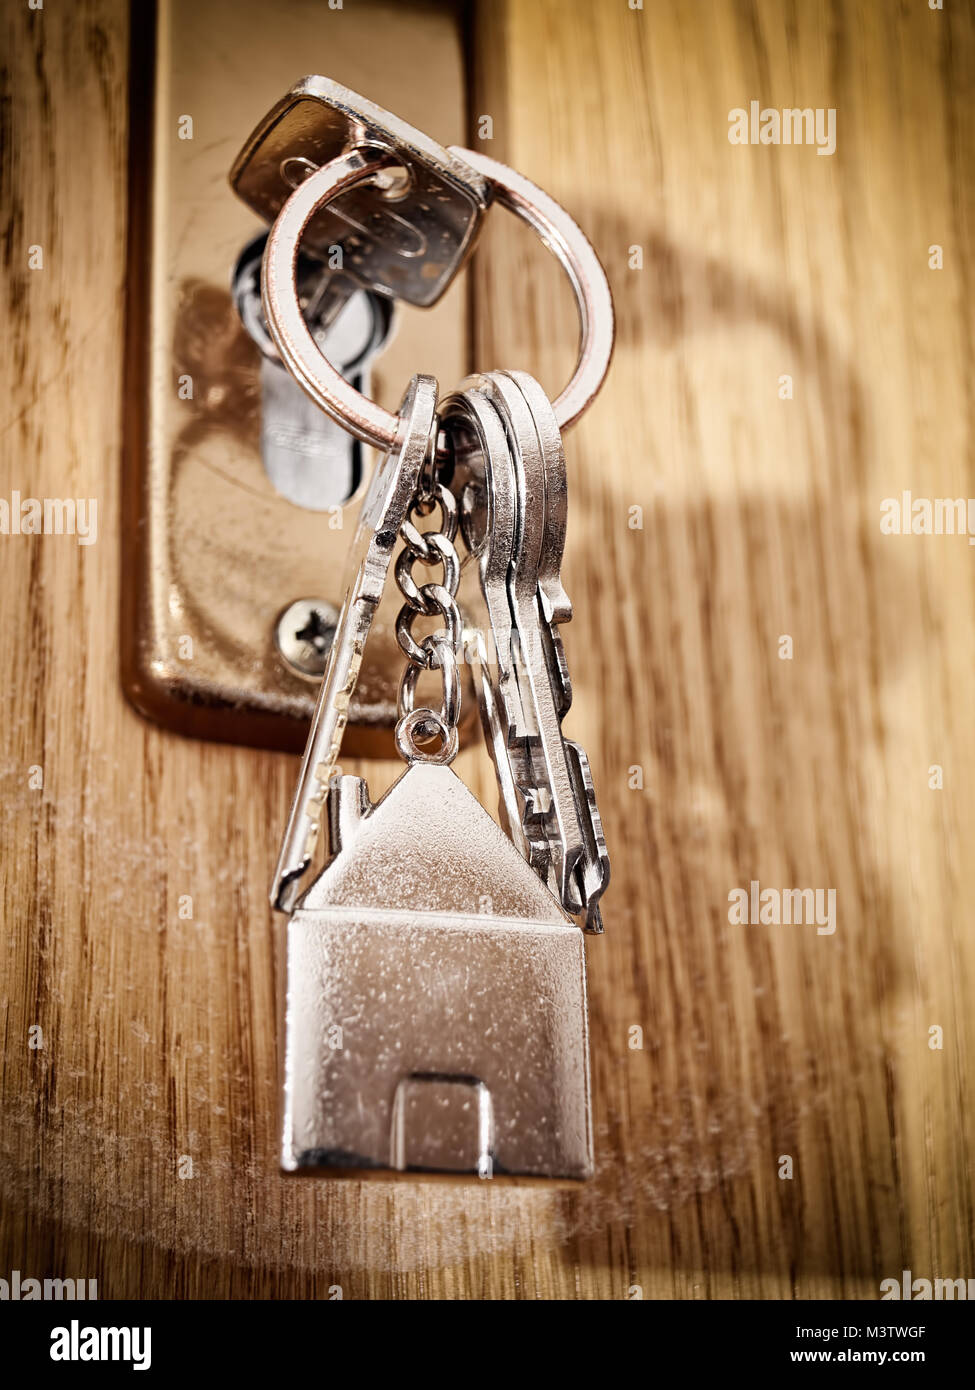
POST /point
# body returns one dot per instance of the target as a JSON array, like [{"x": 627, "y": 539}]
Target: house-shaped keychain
[{"x": 435, "y": 1011}]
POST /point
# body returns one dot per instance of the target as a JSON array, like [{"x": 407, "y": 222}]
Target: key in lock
[
  {"x": 405, "y": 235},
  {"x": 211, "y": 494},
  {"x": 309, "y": 458}
]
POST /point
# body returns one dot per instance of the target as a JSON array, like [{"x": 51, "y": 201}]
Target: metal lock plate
[
  {"x": 214, "y": 551},
  {"x": 408, "y": 241}
]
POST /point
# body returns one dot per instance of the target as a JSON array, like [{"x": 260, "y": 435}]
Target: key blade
[
  {"x": 535, "y": 553},
  {"x": 558, "y": 667},
  {"x": 485, "y": 478},
  {"x": 492, "y": 725},
  {"x": 322, "y": 752},
  {"x": 384, "y": 510}
]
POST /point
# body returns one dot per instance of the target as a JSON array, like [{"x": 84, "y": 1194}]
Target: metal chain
[{"x": 439, "y": 650}]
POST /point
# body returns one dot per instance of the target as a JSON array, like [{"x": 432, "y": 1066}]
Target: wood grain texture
[{"x": 760, "y": 518}]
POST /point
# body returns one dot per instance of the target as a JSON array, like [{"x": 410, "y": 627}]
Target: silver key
[
  {"x": 535, "y": 742},
  {"x": 484, "y": 474},
  {"x": 545, "y": 782},
  {"x": 384, "y": 509},
  {"x": 593, "y": 867}
]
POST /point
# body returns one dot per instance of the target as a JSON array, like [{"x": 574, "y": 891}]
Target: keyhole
[{"x": 308, "y": 458}]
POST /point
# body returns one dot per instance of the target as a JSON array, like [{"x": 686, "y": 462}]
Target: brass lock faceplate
[{"x": 213, "y": 554}]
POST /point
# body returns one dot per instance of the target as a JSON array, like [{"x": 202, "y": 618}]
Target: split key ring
[{"x": 365, "y": 418}]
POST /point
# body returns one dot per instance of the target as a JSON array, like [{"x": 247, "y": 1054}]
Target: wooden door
[{"x": 772, "y": 689}]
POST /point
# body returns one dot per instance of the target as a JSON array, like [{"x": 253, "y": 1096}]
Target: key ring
[{"x": 364, "y": 418}]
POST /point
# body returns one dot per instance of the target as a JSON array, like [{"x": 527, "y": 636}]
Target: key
[
  {"x": 593, "y": 868},
  {"x": 535, "y": 741},
  {"x": 540, "y": 773},
  {"x": 484, "y": 474},
  {"x": 544, "y": 780},
  {"x": 310, "y": 459},
  {"x": 384, "y": 509},
  {"x": 408, "y": 246}
]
